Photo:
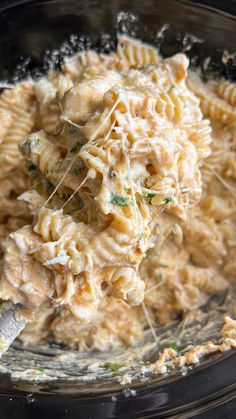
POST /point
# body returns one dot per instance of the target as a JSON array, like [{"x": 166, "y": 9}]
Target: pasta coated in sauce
[{"x": 126, "y": 175}]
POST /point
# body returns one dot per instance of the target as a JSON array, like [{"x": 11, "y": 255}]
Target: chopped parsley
[
  {"x": 167, "y": 200},
  {"x": 48, "y": 184},
  {"x": 175, "y": 347},
  {"x": 76, "y": 148},
  {"x": 79, "y": 167},
  {"x": 127, "y": 190},
  {"x": 112, "y": 366},
  {"x": 31, "y": 169},
  {"x": 118, "y": 199},
  {"x": 149, "y": 197},
  {"x": 41, "y": 369},
  {"x": 112, "y": 173}
]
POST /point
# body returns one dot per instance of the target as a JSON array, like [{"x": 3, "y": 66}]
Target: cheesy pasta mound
[{"x": 117, "y": 195}]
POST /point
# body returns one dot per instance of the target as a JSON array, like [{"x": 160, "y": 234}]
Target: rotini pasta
[
  {"x": 86, "y": 64},
  {"x": 226, "y": 90},
  {"x": 212, "y": 106},
  {"x": 19, "y": 106},
  {"x": 132, "y": 53},
  {"x": 49, "y": 91}
]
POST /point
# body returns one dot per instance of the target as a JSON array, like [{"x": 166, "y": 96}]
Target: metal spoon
[{"x": 12, "y": 322}]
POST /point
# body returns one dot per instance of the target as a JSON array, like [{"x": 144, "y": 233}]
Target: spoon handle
[{"x": 11, "y": 324}]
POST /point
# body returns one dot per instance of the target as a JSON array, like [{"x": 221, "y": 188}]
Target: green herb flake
[
  {"x": 112, "y": 366},
  {"x": 41, "y": 369},
  {"x": 112, "y": 173},
  {"x": 167, "y": 200},
  {"x": 140, "y": 237},
  {"x": 127, "y": 190},
  {"x": 76, "y": 148},
  {"x": 174, "y": 347},
  {"x": 149, "y": 197},
  {"x": 79, "y": 167},
  {"x": 118, "y": 199},
  {"x": 31, "y": 170}
]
